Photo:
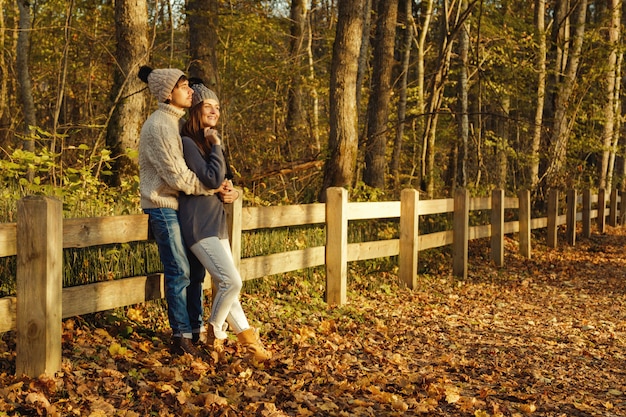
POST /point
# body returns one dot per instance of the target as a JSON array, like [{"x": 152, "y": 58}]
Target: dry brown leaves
[{"x": 538, "y": 337}]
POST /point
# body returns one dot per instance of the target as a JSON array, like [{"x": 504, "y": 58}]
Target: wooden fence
[{"x": 40, "y": 235}]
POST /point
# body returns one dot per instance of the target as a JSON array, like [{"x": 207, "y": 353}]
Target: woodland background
[{"x": 372, "y": 95}]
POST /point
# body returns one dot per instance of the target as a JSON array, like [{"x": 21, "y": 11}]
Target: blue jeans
[
  {"x": 184, "y": 274},
  {"x": 217, "y": 258}
]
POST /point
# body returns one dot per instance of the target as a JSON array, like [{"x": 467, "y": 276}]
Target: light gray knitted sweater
[{"x": 163, "y": 172}]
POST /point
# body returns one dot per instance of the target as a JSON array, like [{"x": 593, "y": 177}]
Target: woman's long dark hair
[{"x": 193, "y": 129}]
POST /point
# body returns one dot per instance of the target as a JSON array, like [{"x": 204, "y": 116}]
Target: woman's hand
[
  {"x": 227, "y": 192},
  {"x": 211, "y": 136}
]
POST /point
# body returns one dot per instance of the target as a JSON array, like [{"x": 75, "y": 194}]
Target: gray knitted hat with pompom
[
  {"x": 161, "y": 82},
  {"x": 201, "y": 93}
]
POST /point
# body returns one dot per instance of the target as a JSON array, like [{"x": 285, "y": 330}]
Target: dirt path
[{"x": 539, "y": 337}]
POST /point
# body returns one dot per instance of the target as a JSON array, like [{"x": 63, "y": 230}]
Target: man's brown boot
[
  {"x": 254, "y": 348},
  {"x": 181, "y": 345}
]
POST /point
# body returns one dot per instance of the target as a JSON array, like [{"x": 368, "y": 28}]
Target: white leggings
[{"x": 217, "y": 258}]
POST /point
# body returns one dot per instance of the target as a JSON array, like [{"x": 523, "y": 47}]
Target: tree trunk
[
  {"x": 23, "y": 74},
  {"x": 378, "y": 105},
  {"x": 363, "y": 55},
  {"x": 296, "y": 120},
  {"x": 610, "y": 88},
  {"x": 4, "y": 68},
  {"x": 129, "y": 102},
  {"x": 317, "y": 146},
  {"x": 202, "y": 16},
  {"x": 540, "y": 23},
  {"x": 565, "y": 87},
  {"x": 463, "y": 117},
  {"x": 618, "y": 124},
  {"x": 503, "y": 142},
  {"x": 343, "y": 136},
  {"x": 450, "y": 27},
  {"x": 406, "y": 58}
]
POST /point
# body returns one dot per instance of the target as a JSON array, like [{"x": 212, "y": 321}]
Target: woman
[{"x": 204, "y": 227}]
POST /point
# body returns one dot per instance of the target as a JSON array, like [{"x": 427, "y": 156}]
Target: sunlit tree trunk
[
  {"x": 343, "y": 135},
  {"x": 451, "y": 21},
  {"x": 378, "y": 105},
  {"x": 618, "y": 124},
  {"x": 503, "y": 142},
  {"x": 565, "y": 86},
  {"x": 202, "y": 17},
  {"x": 317, "y": 146},
  {"x": 364, "y": 51},
  {"x": 23, "y": 73},
  {"x": 463, "y": 116},
  {"x": 540, "y": 24},
  {"x": 611, "y": 86},
  {"x": 421, "y": 31},
  {"x": 406, "y": 58},
  {"x": 131, "y": 32},
  {"x": 296, "y": 120},
  {"x": 4, "y": 68}
]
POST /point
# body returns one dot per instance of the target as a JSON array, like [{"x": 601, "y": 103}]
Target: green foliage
[{"x": 79, "y": 186}]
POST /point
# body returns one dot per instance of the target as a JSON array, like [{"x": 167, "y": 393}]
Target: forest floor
[{"x": 537, "y": 337}]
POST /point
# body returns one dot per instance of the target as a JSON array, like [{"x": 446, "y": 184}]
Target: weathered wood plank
[
  {"x": 278, "y": 263},
  {"x": 374, "y": 249},
  {"x": 100, "y": 296},
  {"x": 436, "y": 206},
  {"x": 94, "y": 231},
  {"x": 436, "y": 240},
  {"x": 282, "y": 216},
  {"x": 8, "y": 239},
  {"x": 373, "y": 210},
  {"x": 7, "y": 314}
]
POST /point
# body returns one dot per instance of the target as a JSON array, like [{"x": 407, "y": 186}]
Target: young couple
[{"x": 184, "y": 184}]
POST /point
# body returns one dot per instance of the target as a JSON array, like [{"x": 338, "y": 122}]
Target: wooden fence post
[
  {"x": 39, "y": 286},
  {"x": 234, "y": 212},
  {"x": 497, "y": 227},
  {"x": 553, "y": 217},
  {"x": 336, "y": 245},
  {"x": 613, "y": 208},
  {"x": 587, "y": 213},
  {"x": 622, "y": 207},
  {"x": 570, "y": 217},
  {"x": 409, "y": 237},
  {"x": 601, "y": 210},
  {"x": 460, "y": 233},
  {"x": 524, "y": 224}
]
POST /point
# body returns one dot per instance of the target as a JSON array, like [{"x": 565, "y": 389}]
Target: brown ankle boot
[
  {"x": 214, "y": 345},
  {"x": 181, "y": 345},
  {"x": 255, "y": 350}
]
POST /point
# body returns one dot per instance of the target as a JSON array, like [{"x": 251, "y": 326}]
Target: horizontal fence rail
[{"x": 40, "y": 235}]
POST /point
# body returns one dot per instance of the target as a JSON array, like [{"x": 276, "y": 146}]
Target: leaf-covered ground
[{"x": 538, "y": 337}]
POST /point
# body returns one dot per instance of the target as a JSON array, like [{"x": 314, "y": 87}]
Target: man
[{"x": 163, "y": 175}]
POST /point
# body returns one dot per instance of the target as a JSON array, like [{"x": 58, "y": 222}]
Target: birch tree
[
  {"x": 564, "y": 89},
  {"x": 540, "y": 25},
  {"x": 612, "y": 95}
]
